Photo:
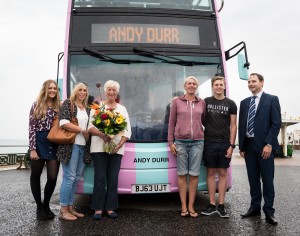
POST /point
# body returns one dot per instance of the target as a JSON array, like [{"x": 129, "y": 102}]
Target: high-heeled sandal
[{"x": 66, "y": 216}]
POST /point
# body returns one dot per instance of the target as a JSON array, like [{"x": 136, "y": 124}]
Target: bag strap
[{"x": 72, "y": 109}]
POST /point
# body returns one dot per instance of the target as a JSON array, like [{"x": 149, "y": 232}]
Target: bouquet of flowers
[{"x": 110, "y": 122}]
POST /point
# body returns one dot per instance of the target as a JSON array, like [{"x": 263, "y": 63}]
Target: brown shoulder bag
[{"x": 60, "y": 135}]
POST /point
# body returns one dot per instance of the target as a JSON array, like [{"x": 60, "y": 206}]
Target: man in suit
[{"x": 259, "y": 125}]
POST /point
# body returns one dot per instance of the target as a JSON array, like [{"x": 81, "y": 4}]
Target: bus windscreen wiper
[
  {"x": 149, "y": 53},
  {"x": 104, "y": 57}
]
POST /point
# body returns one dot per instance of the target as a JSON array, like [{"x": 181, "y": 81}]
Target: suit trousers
[
  {"x": 258, "y": 170},
  {"x": 105, "y": 193}
]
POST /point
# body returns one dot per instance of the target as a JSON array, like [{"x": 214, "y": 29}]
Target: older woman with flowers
[
  {"x": 73, "y": 156},
  {"x": 110, "y": 129}
]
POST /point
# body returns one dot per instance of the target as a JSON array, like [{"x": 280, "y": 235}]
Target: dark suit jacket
[{"x": 267, "y": 122}]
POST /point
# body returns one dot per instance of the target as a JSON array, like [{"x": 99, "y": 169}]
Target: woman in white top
[
  {"x": 73, "y": 156},
  {"x": 106, "y": 165}
]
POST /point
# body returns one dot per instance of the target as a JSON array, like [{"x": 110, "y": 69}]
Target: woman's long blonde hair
[
  {"x": 77, "y": 87},
  {"x": 41, "y": 105}
]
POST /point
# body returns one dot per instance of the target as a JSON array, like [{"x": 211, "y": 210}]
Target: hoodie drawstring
[{"x": 187, "y": 104}]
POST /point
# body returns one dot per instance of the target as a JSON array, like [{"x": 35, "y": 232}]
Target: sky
[{"x": 33, "y": 33}]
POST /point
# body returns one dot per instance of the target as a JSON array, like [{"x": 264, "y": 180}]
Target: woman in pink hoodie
[{"x": 185, "y": 138}]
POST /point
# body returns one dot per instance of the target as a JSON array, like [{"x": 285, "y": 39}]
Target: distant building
[{"x": 294, "y": 137}]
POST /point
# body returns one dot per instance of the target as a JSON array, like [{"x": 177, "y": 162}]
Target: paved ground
[
  {"x": 156, "y": 214},
  {"x": 286, "y": 161}
]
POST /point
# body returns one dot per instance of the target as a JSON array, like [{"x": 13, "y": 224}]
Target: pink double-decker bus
[{"x": 149, "y": 47}]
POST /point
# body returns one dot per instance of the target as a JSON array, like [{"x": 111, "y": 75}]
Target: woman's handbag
[{"x": 60, "y": 135}]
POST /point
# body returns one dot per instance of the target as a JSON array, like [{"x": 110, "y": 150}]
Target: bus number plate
[{"x": 150, "y": 188}]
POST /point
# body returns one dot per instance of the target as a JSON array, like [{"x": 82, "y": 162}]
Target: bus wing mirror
[
  {"x": 243, "y": 66},
  {"x": 243, "y": 63}
]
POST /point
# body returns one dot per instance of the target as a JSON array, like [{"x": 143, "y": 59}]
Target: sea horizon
[{"x": 11, "y": 146}]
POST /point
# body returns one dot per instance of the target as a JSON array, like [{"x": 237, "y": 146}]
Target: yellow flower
[
  {"x": 119, "y": 120},
  {"x": 110, "y": 114},
  {"x": 107, "y": 122}
]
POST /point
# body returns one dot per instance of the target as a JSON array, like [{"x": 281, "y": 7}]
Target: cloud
[
  {"x": 270, "y": 30},
  {"x": 32, "y": 34}
]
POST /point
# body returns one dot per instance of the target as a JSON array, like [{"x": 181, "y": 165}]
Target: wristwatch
[
  {"x": 232, "y": 145},
  {"x": 269, "y": 145}
]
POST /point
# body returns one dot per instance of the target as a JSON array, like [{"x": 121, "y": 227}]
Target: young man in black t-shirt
[{"x": 219, "y": 135}]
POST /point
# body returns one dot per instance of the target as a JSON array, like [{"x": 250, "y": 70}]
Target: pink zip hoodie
[{"x": 186, "y": 119}]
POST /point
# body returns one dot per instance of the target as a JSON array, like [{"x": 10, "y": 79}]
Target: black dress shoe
[
  {"x": 251, "y": 212},
  {"x": 271, "y": 219}
]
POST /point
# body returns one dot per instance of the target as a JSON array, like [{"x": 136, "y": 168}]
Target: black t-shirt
[{"x": 217, "y": 120}]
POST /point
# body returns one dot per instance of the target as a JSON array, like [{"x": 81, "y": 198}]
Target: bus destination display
[{"x": 145, "y": 33}]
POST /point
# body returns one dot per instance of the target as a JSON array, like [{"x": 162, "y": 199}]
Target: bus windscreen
[{"x": 148, "y": 85}]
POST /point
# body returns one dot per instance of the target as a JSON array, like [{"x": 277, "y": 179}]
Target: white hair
[{"x": 112, "y": 83}]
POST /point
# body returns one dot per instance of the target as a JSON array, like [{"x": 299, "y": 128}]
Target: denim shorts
[{"x": 189, "y": 156}]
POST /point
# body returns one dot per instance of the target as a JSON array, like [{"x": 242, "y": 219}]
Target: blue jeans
[
  {"x": 189, "y": 156},
  {"x": 72, "y": 172}
]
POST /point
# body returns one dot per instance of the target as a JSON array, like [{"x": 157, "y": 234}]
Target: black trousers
[{"x": 105, "y": 193}]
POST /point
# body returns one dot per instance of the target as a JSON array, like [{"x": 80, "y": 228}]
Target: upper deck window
[{"x": 199, "y": 5}]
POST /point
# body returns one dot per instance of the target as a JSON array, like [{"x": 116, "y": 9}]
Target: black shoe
[
  {"x": 112, "y": 215},
  {"x": 209, "y": 210},
  {"x": 271, "y": 219},
  {"x": 97, "y": 216},
  {"x": 41, "y": 213},
  {"x": 222, "y": 212},
  {"x": 251, "y": 212},
  {"x": 49, "y": 213}
]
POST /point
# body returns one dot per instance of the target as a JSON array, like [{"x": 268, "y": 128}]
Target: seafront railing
[{"x": 8, "y": 158}]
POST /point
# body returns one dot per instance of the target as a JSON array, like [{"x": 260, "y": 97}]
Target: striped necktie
[{"x": 251, "y": 116}]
